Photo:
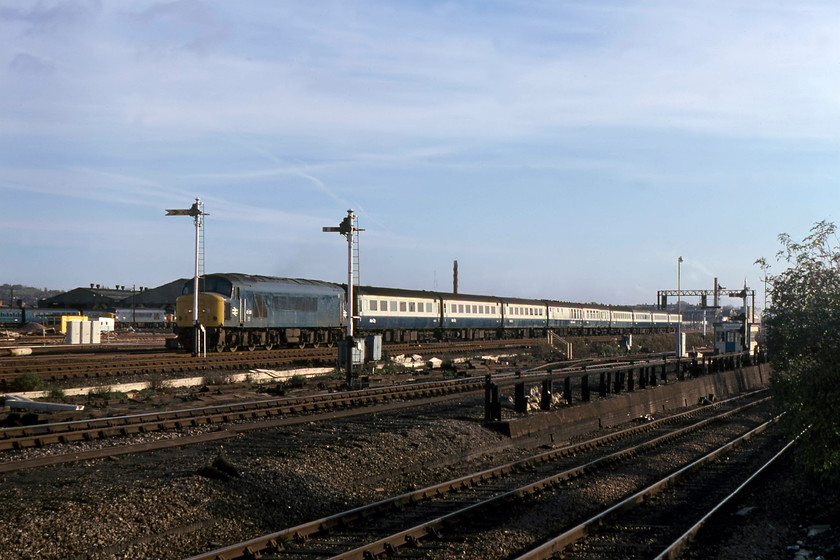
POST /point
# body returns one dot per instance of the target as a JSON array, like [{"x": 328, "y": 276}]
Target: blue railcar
[
  {"x": 48, "y": 315},
  {"x": 10, "y": 316}
]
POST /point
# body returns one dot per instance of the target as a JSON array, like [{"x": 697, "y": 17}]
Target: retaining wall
[{"x": 602, "y": 413}]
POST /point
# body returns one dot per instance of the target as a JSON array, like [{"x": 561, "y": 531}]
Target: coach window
[
  {"x": 411, "y": 307},
  {"x": 402, "y": 306},
  {"x": 393, "y": 305},
  {"x": 373, "y": 306},
  {"x": 384, "y": 305}
]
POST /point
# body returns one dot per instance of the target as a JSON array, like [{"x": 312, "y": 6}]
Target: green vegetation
[
  {"x": 29, "y": 381},
  {"x": 803, "y": 325},
  {"x": 297, "y": 380},
  {"x": 642, "y": 344},
  {"x": 105, "y": 394},
  {"x": 11, "y": 293}
]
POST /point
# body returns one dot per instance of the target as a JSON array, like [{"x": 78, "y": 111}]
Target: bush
[
  {"x": 105, "y": 393},
  {"x": 29, "y": 382},
  {"x": 802, "y": 325}
]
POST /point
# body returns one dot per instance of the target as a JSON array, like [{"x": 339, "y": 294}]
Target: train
[
  {"x": 249, "y": 311},
  {"x": 19, "y": 316},
  {"x": 123, "y": 317}
]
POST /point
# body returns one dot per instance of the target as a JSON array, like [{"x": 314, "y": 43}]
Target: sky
[{"x": 569, "y": 150}]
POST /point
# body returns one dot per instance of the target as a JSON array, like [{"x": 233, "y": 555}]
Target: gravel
[{"x": 174, "y": 503}]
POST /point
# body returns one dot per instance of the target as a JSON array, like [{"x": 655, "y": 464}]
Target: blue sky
[{"x": 568, "y": 150}]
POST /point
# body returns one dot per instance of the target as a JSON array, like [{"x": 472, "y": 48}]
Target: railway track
[
  {"x": 644, "y": 524},
  {"x": 423, "y": 520},
  {"x": 218, "y": 422},
  {"x": 265, "y": 413},
  {"x": 68, "y": 368}
]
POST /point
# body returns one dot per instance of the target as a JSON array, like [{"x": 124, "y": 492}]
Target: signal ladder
[
  {"x": 356, "y": 273},
  {"x": 201, "y": 272}
]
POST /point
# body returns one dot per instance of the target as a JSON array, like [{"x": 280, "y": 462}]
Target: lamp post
[{"x": 679, "y": 311}]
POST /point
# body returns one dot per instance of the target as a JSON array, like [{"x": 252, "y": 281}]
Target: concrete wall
[{"x": 583, "y": 417}]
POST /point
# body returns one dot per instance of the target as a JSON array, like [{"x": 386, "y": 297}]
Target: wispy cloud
[
  {"x": 730, "y": 68},
  {"x": 538, "y": 134}
]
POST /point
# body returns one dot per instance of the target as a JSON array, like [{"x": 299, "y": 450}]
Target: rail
[
  {"x": 274, "y": 541},
  {"x": 557, "y": 544}
]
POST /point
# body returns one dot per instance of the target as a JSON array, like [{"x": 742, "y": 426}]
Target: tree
[{"x": 803, "y": 326}]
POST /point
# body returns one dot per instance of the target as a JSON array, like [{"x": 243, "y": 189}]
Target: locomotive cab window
[{"x": 212, "y": 284}]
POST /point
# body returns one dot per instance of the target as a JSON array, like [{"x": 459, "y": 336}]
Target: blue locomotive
[{"x": 247, "y": 311}]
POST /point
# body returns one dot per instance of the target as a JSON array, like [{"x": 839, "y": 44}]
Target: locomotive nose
[{"x": 210, "y": 310}]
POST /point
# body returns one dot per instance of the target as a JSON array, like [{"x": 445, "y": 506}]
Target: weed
[{"x": 29, "y": 381}]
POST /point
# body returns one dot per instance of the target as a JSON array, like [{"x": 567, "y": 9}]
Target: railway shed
[{"x": 99, "y": 298}]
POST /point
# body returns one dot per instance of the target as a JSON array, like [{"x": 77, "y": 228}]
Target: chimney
[{"x": 455, "y": 278}]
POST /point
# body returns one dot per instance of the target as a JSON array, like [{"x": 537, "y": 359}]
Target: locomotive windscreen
[{"x": 213, "y": 284}]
